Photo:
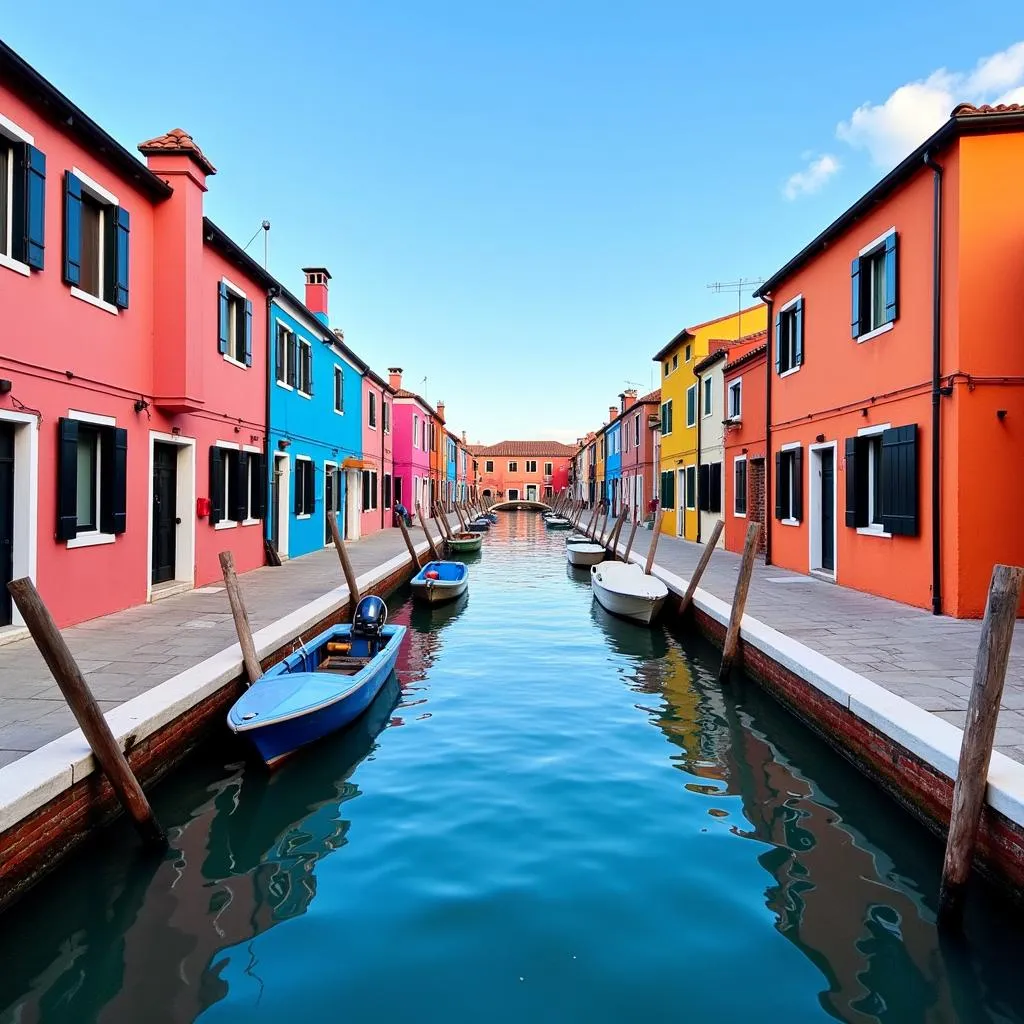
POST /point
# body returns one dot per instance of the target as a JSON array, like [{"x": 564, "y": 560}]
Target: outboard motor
[{"x": 368, "y": 622}]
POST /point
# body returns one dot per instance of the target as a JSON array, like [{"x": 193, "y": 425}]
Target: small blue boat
[
  {"x": 479, "y": 525},
  {"x": 320, "y": 688},
  {"x": 491, "y": 517},
  {"x": 438, "y": 582}
]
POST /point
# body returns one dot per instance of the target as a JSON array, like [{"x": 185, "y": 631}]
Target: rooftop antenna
[
  {"x": 265, "y": 228},
  {"x": 739, "y": 287}
]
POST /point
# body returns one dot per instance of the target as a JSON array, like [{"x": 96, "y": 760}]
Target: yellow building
[
  {"x": 680, "y": 411},
  {"x": 599, "y": 468}
]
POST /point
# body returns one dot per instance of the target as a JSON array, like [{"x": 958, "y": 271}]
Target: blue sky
[{"x": 523, "y": 200}]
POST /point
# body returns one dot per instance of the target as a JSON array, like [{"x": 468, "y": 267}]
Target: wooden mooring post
[
  {"x": 979, "y": 733},
  {"x": 613, "y": 537},
  {"x": 69, "y": 678},
  {"x": 656, "y": 529},
  {"x": 702, "y": 564},
  {"x": 442, "y": 521},
  {"x": 739, "y": 600},
  {"x": 346, "y": 562},
  {"x": 632, "y": 535},
  {"x": 426, "y": 533},
  {"x": 462, "y": 521},
  {"x": 409, "y": 544},
  {"x": 253, "y": 668}
]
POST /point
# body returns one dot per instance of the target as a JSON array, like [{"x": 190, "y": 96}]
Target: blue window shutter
[
  {"x": 855, "y": 298},
  {"x": 223, "y": 316},
  {"x": 778, "y": 345},
  {"x": 35, "y": 207},
  {"x": 891, "y": 279},
  {"x": 72, "y": 272},
  {"x": 67, "y": 478},
  {"x": 248, "y": 332},
  {"x": 798, "y": 328},
  {"x": 121, "y": 232}
]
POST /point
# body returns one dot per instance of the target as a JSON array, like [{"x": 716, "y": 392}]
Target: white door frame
[
  {"x": 26, "y": 499},
  {"x": 353, "y": 503},
  {"x": 814, "y": 509},
  {"x": 328, "y": 465},
  {"x": 284, "y": 505},
  {"x": 681, "y": 501},
  {"x": 185, "y": 504}
]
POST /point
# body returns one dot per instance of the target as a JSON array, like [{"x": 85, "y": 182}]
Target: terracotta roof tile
[
  {"x": 745, "y": 357},
  {"x": 969, "y": 109},
  {"x": 529, "y": 449},
  {"x": 177, "y": 141},
  {"x": 654, "y": 396}
]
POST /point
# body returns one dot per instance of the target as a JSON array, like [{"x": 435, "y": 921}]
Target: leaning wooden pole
[
  {"x": 739, "y": 600},
  {"x": 346, "y": 562},
  {"x": 442, "y": 522},
  {"x": 589, "y": 531},
  {"x": 253, "y": 668},
  {"x": 462, "y": 521},
  {"x": 426, "y": 533},
  {"x": 69, "y": 678},
  {"x": 632, "y": 535},
  {"x": 613, "y": 536},
  {"x": 656, "y": 531},
  {"x": 979, "y": 733},
  {"x": 702, "y": 564},
  {"x": 409, "y": 544}
]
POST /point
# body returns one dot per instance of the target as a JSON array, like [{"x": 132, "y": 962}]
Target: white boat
[
  {"x": 557, "y": 523},
  {"x": 624, "y": 589},
  {"x": 584, "y": 554},
  {"x": 577, "y": 538}
]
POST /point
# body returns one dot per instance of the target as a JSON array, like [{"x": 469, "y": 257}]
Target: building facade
[
  {"x": 744, "y": 441},
  {"x": 710, "y": 440},
  {"x": 413, "y": 419},
  {"x": 613, "y": 461},
  {"x": 640, "y": 456},
  {"x": 377, "y": 454},
  {"x": 893, "y": 393},
  {"x": 523, "y": 470}
]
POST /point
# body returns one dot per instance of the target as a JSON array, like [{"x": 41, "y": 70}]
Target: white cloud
[
  {"x": 812, "y": 177},
  {"x": 891, "y": 129}
]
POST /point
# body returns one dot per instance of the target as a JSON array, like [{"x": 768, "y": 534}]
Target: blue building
[
  {"x": 315, "y": 437},
  {"x": 613, "y": 465},
  {"x": 450, "y": 466}
]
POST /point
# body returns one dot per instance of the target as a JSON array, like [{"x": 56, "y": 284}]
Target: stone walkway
[
  {"x": 129, "y": 652},
  {"x": 926, "y": 659}
]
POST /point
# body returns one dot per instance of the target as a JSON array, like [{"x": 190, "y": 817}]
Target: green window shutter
[
  {"x": 72, "y": 272},
  {"x": 778, "y": 343},
  {"x": 797, "y": 511},
  {"x": 248, "y": 332},
  {"x": 798, "y": 328},
  {"x": 855, "y": 304},
  {"x": 119, "y": 285},
  {"x": 67, "y": 478}
]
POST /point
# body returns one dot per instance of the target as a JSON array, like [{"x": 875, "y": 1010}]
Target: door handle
[{"x": 177, "y": 522}]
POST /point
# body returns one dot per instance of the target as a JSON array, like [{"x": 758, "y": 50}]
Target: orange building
[
  {"x": 524, "y": 470},
  {"x": 744, "y": 421},
  {"x": 895, "y": 382}
]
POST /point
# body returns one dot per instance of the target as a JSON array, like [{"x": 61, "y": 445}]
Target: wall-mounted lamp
[
  {"x": 819, "y": 438},
  {"x": 743, "y": 451},
  {"x": 238, "y": 429},
  {"x": 946, "y": 391},
  {"x": 863, "y": 412},
  {"x": 5, "y": 387},
  {"x": 175, "y": 430},
  {"x": 284, "y": 444},
  {"x": 1001, "y": 413},
  {"x": 141, "y": 405}
]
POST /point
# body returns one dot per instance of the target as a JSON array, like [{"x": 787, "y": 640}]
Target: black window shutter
[
  {"x": 891, "y": 279},
  {"x": 300, "y": 485},
  {"x": 899, "y": 481},
  {"x": 778, "y": 343},
  {"x": 122, "y": 229},
  {"x": 715, "y": 487},
  {"x": 293, "y": 362},
  {"x": 855, "y": 508},
  {"x": 67, "y": 478},
  {"x": 310, "y": 488},
  {"x": 797, "y": 511},
  {"x": 241, "y": 490},
  {"x": 223, "y": 317},
  {"x": 72, "y": 272},
  {"x": 217, "y": 496},
  {"x": 855, "y": 298},
  {"x": 280, "y": 354},
  {"x": 309, "y": 371},
  {"x": 113, "y": 479},
  {"x": 798, "y": 330},
  {"x": 248, "y": 332},
  {"x": 35, "y": 207},
  {"x": 258, "y": 490},
  {"x": 704, "y": 488},
  {"x": 780, "y": 488},
  {"x": 671, "y": 488}
]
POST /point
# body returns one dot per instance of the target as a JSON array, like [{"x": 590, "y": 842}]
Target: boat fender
[
  {"x": 338, "y": 647},
  {"x": 432, "y": 575}
]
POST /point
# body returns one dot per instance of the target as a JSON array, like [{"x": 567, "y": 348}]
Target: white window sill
[
  {"x": 339, "y": 412},
  {"x": 16, "y": 265},
  {"x": 233, "y": 361},
  {"x": 93, "y": 301},
  {"x": 740, "y": 515},
  {"x": 872, "y": 531},
  {"x": 251, "y": 522},
  {"x": 283, "y": 384},
  {"x": 91, "y": 539},
  {"x": 304, "y": 515},
  {"x": 790, "y": 371},
  {"x": 790, "y": 522},
  {"x": 225, "y": 524},
  {"x": 372, "y": 426},
  {"x": 690, "y": 425},
  {"x": 302, "y": 394},
  {"x": 884, "y": 329}
]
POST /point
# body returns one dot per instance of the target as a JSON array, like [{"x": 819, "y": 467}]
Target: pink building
[
  {"x": 412, "y": 419},
  {"x": 378, "y": 458},
  {"x": 133, "y": 368},
  {"x": 641, "y": 450}
]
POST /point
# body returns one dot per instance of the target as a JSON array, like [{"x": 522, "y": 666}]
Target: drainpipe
[
  {"x": 696, "y": 406},
  {"x": 768, "y": 460},
  {"x": 269, "y": 466},
  {"x": 929, "y": 161}
]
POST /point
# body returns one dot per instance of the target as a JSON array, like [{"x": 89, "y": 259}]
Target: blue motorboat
[
  {"x": 321, "y": 687},
  {"x": 479, "y": 525},
  {"x": 438, "y": 582},
  {"x": 491, "y": 517}
]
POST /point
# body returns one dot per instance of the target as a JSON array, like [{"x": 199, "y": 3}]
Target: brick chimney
[
  {"x": 180, "y": 303},
  {"x": 316, "y": 291},
  {"x": 440, "y": 411},
  {"x": 612, "y": 412},
  {"x": 463, "y": 437},
  {"x": 395, "y": 377},
  {"x": 628, "y": 399}
]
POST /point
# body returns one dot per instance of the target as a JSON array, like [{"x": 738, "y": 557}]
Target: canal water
[{"x": 550, "y": 815}]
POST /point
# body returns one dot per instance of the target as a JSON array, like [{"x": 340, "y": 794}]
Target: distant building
[{"x": 524, "y": 470}]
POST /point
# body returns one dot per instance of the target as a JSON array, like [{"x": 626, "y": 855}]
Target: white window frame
[
  {"x": 415, "y": 431},
  {"x": 513, "y": 466},
  {"x": 709, "y": 396},
  {"x": 385, "y": 414},
  {"x": 298, "y": 367},
  {"x": 873, "y": 529},
  {"x": 693, "y": 422},
  {"x": 229, "y": 356},
  {"x": 549, "y": 469},
  {"x": 229, "y": 446},
  {"x": 735, "y": 462},
  {"x": 90, "y": 538},
  {"x": 783, "y": 311},
  {"x": 105, "y": 198},
  {"x": 339, "y": 374},
  {"x": 249, "y": 520},
  {"x": 16, "y": 134},
  {"x": 870, "y": 250},
  {"x": 312, "y": 466},
  {"x": 737, "y": 387},
  {"x": 666, "y": 406},
  {"x": 488, "y": 465},
  {"x": 691, "y": 492},
  {"x": 289, "y": 355},
  {"x": 792, "y": 446},
  {"x": 371, "y": 410}
]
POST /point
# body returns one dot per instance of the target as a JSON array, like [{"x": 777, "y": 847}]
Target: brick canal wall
[{"x": 42, "y": 838}]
